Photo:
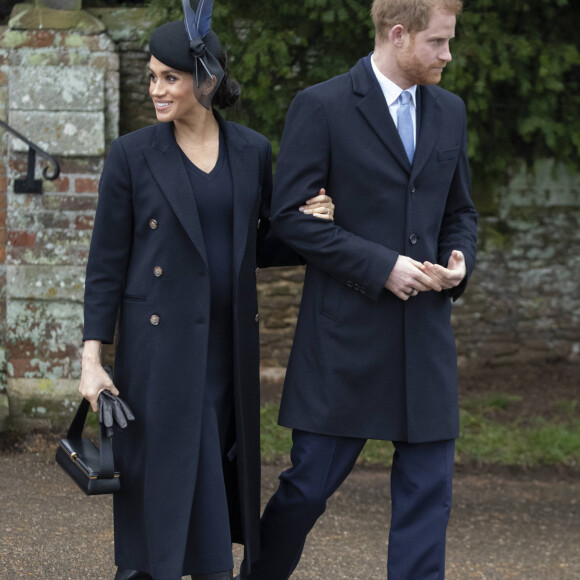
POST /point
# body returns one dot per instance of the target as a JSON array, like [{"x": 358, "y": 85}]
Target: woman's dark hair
[{"x": 229, "y": 90}]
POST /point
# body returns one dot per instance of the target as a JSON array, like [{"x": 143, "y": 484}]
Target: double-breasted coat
[
  {"x": 365, "y": 363},
  {"x": 147, "y": 266}
]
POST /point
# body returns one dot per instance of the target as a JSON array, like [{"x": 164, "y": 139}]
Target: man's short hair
[{"x": 414, "y": 15}]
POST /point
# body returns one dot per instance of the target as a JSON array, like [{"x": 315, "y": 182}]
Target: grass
[
  {"x": 487, "y": 437},
  {"x": 275, "y": 441},
  {"x": 538, "y": 442}
]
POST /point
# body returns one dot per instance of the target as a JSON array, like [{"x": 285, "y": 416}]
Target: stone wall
[
  {"x": 126, "y": 27},
  {"x": 59, "y": 87},
  {"x": 4, "y": 407},
  {"x": 522, "y": 305}
]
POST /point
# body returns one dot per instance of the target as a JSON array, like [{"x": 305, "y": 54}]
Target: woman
[{"x": 180, "y": 228}]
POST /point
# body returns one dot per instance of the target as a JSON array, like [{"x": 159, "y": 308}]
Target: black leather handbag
[{"x": 90, "y": 467}]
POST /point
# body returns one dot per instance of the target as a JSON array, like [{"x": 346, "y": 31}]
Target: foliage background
[{"x": 516, "y": 64}]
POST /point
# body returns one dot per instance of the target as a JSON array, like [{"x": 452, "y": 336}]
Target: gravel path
[{"x": 509, "y": 527}]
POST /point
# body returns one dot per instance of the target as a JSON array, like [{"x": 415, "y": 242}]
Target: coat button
[
  {"x": 257, "y": 318},
  {"x": 154, "y": 320},
  {"x": 258, "y": 224},
  {"x": 413, "y": 239},
  {"x": 158, "y": 271},
  {"x": 153, "y": 224}
]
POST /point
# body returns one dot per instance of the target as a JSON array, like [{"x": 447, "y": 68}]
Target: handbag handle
[{"x": 75, "y": 431}]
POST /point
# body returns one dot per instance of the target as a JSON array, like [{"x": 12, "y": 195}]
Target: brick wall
[{"x": 60, "y": 89}]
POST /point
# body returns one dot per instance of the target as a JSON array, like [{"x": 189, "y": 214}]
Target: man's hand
[
  {"x": 451, "y": 276},
  {"x": 408, "y": 279}
]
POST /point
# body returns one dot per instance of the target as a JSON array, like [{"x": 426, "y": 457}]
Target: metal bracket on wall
[{"x": 31, "y": 185}]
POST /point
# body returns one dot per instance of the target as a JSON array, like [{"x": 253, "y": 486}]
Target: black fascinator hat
[{"x": 189, "y": 45}]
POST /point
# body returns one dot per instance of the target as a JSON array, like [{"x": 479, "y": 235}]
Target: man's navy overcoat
[
  {"x": 148, "y": 263},
  {"x": 364, "y": 363}
]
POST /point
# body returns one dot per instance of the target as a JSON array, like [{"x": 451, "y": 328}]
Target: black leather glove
[{"x": 114, "y": 413}]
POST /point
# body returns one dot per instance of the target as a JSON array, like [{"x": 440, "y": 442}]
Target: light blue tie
[{"x": 405, "y": 124}]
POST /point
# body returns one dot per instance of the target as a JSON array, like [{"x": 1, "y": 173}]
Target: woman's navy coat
[{"x": 148, "y": 265}]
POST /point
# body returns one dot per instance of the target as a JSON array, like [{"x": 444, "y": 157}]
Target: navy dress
[{"x": 209, "y": 532}]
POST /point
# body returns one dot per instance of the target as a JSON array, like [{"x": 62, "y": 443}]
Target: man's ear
[{"x": 397, "y": 35}]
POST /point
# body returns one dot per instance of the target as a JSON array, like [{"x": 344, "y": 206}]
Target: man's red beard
[{"x": 416, "y": 72}]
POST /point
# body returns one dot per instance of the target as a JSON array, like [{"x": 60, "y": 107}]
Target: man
[{"x": 374, "y": 353}]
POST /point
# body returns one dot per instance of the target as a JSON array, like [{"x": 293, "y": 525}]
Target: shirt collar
[{"x": 391, "y": 91}]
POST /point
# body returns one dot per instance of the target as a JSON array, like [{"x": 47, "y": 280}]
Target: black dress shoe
[
  {"x": 124, "y": 574},
  {"x": 228, "y": 575}
]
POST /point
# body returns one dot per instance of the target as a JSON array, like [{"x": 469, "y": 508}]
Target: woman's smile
[{"x": 171, "y": 91}]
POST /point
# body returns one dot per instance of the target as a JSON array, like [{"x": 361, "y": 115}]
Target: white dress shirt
[{"x": 392, "y": 93}]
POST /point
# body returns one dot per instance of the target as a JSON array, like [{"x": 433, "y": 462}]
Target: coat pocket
[
  {"x": 134, "y": 298},
  {"x": 448, "y": 154},
  {"x": 333, "y": 299}
]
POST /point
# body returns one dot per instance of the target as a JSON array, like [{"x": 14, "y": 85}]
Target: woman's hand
[
  {"x": 320, "y": 206},
  {"x": 94, "y": 378}
]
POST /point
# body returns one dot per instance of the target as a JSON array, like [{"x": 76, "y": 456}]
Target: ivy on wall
[{"x": 516, "y": 64}]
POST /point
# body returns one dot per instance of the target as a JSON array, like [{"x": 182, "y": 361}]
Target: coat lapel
[
  {"x": 245, "y": 167},
  {"x": 166, "y": 164},
  {"x": 429, "y": 127},
  {"x": 374, "y": 109}
]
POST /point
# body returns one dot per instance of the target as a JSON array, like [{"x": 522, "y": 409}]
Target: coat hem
[{"x": 373, "y": 436}]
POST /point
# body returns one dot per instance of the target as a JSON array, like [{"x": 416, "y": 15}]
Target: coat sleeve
[
  {"x": 271, "y": 251},
  {"x": 459, "y": 225},
  {"x": 110, "y": 248},
  {"x": 303, "y": 167}
]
